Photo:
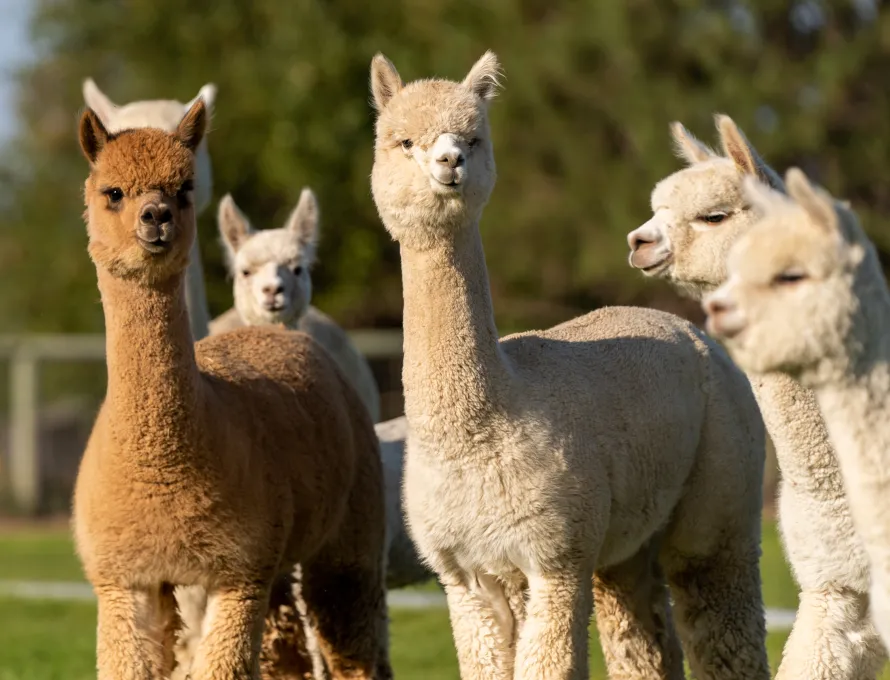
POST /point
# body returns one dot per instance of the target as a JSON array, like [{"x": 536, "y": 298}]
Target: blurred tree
[{"x": 580, "y": 131}]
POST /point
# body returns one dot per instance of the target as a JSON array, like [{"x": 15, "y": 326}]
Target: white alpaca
[
  {"x": 699, "y": 212},
  {"x": 624, "y": 441},
  {"x": 166, "y": 115},
  {"x": 806, "y": 296},
  {"x": 273, "y": 285}
]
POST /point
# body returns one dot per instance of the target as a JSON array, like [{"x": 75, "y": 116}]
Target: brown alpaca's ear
[
  {"x": 817, "y": 203},
  {"x": 385, "y": 81},
  {"x": 98, "y": 101},
  {"x": 687, "y": 147},
  {"x": 484, "y": 79},
  {"x": 93, "y": 135},
  {"x": 234, "y": 227},
  {"x": 303, "y": 221},
  {"x": 193, "y": 124},
  {"x": 737, "y": 148}
]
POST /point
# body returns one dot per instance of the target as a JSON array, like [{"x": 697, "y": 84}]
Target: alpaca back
[{"x": 335, "y": 340}]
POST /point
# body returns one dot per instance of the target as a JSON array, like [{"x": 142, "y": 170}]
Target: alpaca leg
[
  {"x": 554, "y": 638},
  {"x": 284, "y": 655},
  {"x": 230, "y": 647},
  {"x": 483, "y": 626},
  {"x": 127, "y": 646},
  {"x": 191, "y": 602},
  {"x": 833, "y": 639},
  {"x": 347, "y": 606},
  {"x": 719, "y": 612},
  {"x": 168, "y": 623},
  {"x": 633, "y": 616}
]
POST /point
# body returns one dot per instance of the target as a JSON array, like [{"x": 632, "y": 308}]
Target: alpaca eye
[
  {"x": 245, "y": 272},
  {"x": 473, "y": 142},
  {"x": 407, "y": 144},
  {"x": 715, "y": 217},
  {"x": 789, "y": 277},
  {"x": 298, "y": 270},
  {"x": 115, "y": 195}
]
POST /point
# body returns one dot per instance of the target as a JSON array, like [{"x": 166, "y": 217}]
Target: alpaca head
[
  {"x": 140, "y": 216},
  {"x": 789, "y": 302},
  {"x": 434, "y": 165},
  {"x": 271, "y": 267},
  {"x": 164, "y": 114},
  {"x": 699, "y": 211}
]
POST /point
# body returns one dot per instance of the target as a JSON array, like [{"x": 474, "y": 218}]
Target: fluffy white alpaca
[
  {"x": 624, "y": 441},
  {"x": 273, "y": 285},
  {"x": 166, "y": 115},
  {"x": 699, "y": 212},
  {"x": 806, "y": 296}
]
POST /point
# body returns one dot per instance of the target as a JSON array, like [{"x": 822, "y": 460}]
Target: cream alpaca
[
  {"x": 538, "y": 459},
  {"x": 165, "y": 114},
  {"x": 806, "y": 296},
  {"x": 699, "y": 212},
  {"x": 218, "y": 464},
  {"x": 273, "y": 285}
]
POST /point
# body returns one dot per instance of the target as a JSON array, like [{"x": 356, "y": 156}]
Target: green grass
[{"x": 56, "y": 641}]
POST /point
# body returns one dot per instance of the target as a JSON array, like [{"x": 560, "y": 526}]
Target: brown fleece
[{"x": 219, "y": 464}]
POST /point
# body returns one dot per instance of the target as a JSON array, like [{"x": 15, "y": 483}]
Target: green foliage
[{"x": 580, "y": 130}]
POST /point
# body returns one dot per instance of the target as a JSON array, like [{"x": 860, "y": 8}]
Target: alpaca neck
[
  {"x": 455, "y": 375},
  {"x": 856, "y": 404},
  {"x": 153, "y": 378}
]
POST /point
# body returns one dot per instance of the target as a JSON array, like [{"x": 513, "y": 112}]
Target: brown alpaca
[{"x": 219, "y": 464}]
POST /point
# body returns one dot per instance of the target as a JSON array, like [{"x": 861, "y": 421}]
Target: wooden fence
[{"x": 25, "y": 353}]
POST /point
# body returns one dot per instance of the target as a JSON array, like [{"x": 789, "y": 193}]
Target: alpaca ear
[
  {"x": 484, "y": 79},
  {"x": 193, "y": 125},
  {"x": 817, "y": 203},
  {"x": 385, "y": 81},
  {"x": 234, "y": 227},
  {"x": 303, "y": 221},
  {"x": 208, "y": 94},
  {"x": 98, "y": 101},
  {"x": 93, "y": 135},
  {"x": 687, "y": 146},
  {"x": 742, "y": 153},
  {"x": 763, "y": 199}
]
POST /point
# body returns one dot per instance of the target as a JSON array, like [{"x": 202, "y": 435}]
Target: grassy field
[{"x": 43, "y": 640}]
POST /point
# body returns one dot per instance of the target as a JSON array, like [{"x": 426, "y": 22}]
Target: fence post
[{"x": 23, "y": 467}]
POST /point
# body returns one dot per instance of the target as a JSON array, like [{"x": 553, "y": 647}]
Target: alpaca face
[
  {"x": 788, "y": 304},
  {"x": 434, "y": 166},
  {"x": 271, "y": 267},
  {"x": 140, "y": 216},
  {"x": 698, "y": 213},
  {"x": 164, "y": 114}
]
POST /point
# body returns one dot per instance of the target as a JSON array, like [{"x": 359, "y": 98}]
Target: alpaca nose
[
  {"x": 452, "y": 158},
  {"x": 270, "y": 289},
  {"x": 715, "y": 306},
  {"x": 155, "y": 214},
  {"x": 638, "y": 239}
]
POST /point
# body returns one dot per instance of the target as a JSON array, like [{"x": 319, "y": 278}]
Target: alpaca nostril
[
  {"x": 273, "y": 290},
  {"x": 165, "y": 216},
  {"x": 149, "y": 215},
  {"x": 156, "y": 214},
  {"x": 637, "y": 241},
  {"x": 716, "y": 306},
  {"x": 452, "y": 159}
]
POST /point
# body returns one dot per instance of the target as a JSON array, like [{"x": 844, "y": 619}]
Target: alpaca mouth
[
  {"x": 156, "y": 247},
  {"x": 654, "y": 268}
]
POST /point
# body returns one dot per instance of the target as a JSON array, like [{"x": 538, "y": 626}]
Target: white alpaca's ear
[
  {"x": 234, "y": 227},
  {"x": 385, "y": 81},
  {"x": 687, "y": 146},
  {"x": 98, "y": 101},
  {"x": 763, "y": 199},
  {"x": 208, "y": 94},
  {"x": 817, "y": 203},
  {"x": 743, "y": 154},
  {"x": 484, "y": 79},
  {"x": 303, "y": 221}
]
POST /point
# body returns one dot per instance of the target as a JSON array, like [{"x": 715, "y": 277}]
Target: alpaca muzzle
[{"x": 156, "y": 230}]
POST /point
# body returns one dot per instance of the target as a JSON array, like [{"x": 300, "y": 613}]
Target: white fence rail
[{"x": 25, "y": 353}]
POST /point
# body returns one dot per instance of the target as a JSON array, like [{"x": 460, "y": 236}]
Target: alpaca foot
[{"x": 633, "y": 616}]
